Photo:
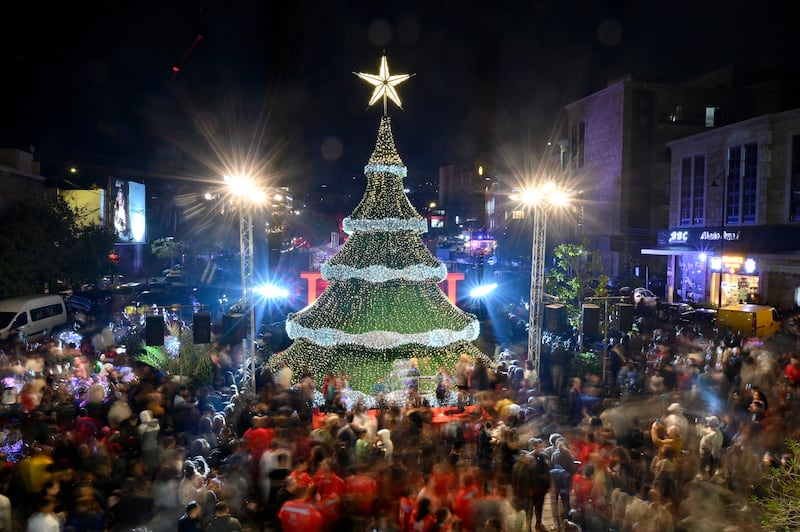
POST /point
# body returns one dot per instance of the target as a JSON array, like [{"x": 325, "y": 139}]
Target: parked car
[
  {"x": 35, "y": 316},
  {"x": 159, "y": 298},
  {"x": 175, "y": 277},
  {"x": 644, "y": 299},
  {"x": 110, "y": 281},
  {"x": 673, "y": 311},
  {"x": 704, "y": 319}
]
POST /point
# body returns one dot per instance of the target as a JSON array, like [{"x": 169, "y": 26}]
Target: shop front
[{"x": 722, "y": 267}]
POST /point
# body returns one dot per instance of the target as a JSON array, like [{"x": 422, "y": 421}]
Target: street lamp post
[
  {"x": 537, "y": 290},
  {"x": 248, "y": 303},
  {"x": 539, "y": 199},
  {"x": 248, "y": 194}
]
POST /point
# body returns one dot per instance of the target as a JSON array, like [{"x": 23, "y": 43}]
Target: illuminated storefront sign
[
  {"x": 720, "y": 235},
  {"x": 698, "y": 236},
  {"x": 678, "y": 237},
  {"x": 733, "y": 263},
  {"x": 721, "y": 264}
]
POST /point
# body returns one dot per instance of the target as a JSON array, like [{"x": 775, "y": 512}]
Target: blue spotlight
[
  {"x": 482, "y": 290},
  {"x": 271, "y": 291}
]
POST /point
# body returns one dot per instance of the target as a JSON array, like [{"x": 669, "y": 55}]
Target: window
[
  {"x": 693, "y": 190},
  {"x": 21, "y": 320},
  {"x": 45, "y": 312},
  {"x": 794, "y": 192},
  {"x": 733, "y": 184},
  {"x": 686, "y": 191},
  {"x": 741, "y": 196},
  {"x": 711, "y": 116},
  {"x": 750, "y": 183},
  {"x": 675, "y": 112},
  {"x": 577, "y": 143},
  {"x": 699, "y": 190}
]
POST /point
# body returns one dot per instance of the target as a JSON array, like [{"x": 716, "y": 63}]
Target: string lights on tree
[{"x": 383, "y": 302}]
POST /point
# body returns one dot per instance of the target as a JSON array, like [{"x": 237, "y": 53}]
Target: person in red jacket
[
  {"x": 330, "y": 489},
  {"x": 443, "y": 480},
  {"x": 583, "y": 489},
  {"x": 465, "y": 500},
  {"x": 792, "y": 370},
  {"x": 361, "y": 492},
  {"x": 300, "y": 473},
  {"x": 257, "y": 441},
  {"x": 407, "y": 506},
  {"x": 422, "y": 520},
  {"x": 300, "y": 514}
]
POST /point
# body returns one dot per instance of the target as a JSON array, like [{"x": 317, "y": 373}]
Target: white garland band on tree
[
  {"x": 383, "y": 339},
  {"x": 396, "y": 169},
  {"x": 386, "y": 224},
  {"x": 381, "y": 274}
]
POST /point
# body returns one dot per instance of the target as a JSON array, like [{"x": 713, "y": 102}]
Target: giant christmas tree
[{"x": 383, "y": 302}]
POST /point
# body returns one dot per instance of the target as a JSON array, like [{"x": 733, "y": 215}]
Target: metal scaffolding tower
[
  {"x": 537, "y": 290},
  {"x": 248, "y": 303}
]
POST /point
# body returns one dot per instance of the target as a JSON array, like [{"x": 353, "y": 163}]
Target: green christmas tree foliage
[{"x": 383, "y": 301}]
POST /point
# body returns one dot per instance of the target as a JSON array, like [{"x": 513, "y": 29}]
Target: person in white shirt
[
  {"x": 676, "y": 418},
  {"x": 45, "y": 519},
  {"x": 710, "y": 447},
  {"x": 385, "y": 443}
]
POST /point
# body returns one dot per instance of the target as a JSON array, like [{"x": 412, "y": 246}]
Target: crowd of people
[{"x": 90, "y": 446}]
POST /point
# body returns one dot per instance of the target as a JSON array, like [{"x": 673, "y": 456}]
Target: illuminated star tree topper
[{"x": 384, "y": 84}]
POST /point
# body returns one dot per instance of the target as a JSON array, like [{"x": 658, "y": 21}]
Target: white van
[{"x": 34, "y": 316}]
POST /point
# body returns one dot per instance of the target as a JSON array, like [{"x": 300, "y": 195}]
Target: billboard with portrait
[{"x": 127, "y": 210}]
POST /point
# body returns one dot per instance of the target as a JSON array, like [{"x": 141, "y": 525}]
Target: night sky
[{"x": 91, "y": 84}]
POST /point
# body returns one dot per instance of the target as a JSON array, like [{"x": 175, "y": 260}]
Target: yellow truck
[{"x": 750, "y": 320}]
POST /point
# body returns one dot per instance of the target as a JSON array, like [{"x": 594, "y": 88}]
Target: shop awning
[{"x": 668, "y": 251}]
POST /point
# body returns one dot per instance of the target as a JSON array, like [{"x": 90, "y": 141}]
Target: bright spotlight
[
  {"x": 137, "y": 226},
  {"x": 531, "y": 196},
  {"x": 245, "y": 188},
  {"x": 559, "y": 198},
  {"x": 272, "y": 291},
  {"x": 482, "y": 290}
]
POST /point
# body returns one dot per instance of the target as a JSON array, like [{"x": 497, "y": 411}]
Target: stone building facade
[
  {"x": 734, "y": 218},
  {"x": 20, "y": 180},
  {"x": 617, "y": 150}
]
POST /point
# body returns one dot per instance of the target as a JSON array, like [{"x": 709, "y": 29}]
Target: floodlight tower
[
  {"x": 248, "y": 302},
  {"x": 539, "y": 199},
  {"x": 248, "y": 194},
  {"x": 537, "y": 289}
]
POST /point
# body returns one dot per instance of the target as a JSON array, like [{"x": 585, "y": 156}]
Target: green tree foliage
[
  {"x": 44, "y": 243},
  {"x": 167, "y": 249},
  {"x": 779, "y": 497},
  {"x": 192, "y": 361},
  {"x": 587, "y": 363},
  {"x": 154, "y": 356},
  {"x": 578, "y": 273}
]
